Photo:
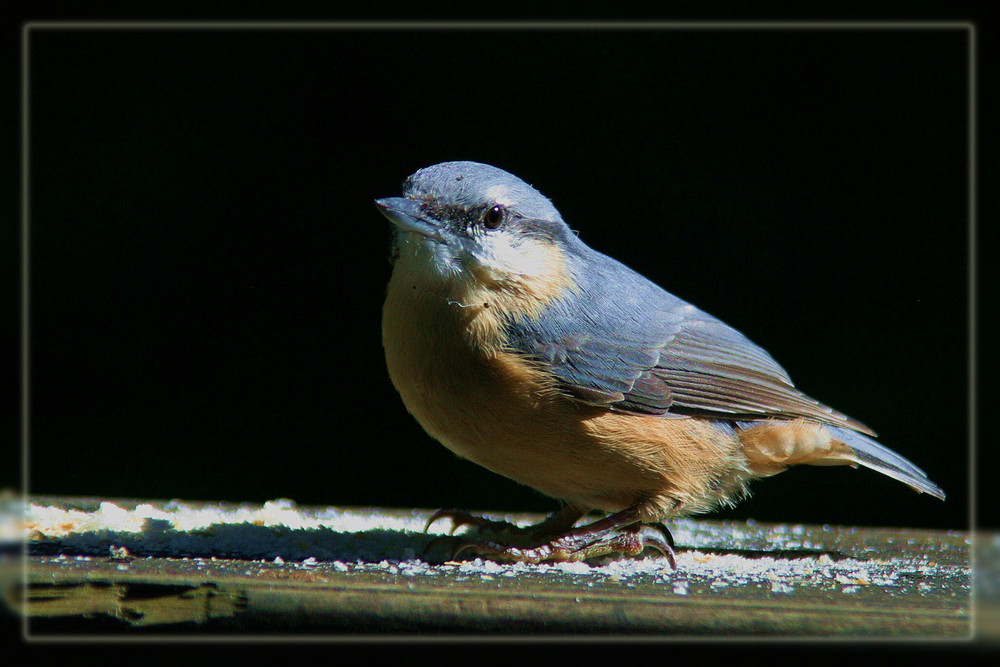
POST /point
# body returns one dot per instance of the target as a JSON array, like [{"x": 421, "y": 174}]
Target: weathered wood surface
[{"x": 733, "y": 579}]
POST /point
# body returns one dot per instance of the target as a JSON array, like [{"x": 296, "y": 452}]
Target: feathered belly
[{"x": 505, "y": 413}]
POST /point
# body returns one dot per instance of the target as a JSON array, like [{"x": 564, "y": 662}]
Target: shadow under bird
[{"x": 522, "y": 349}]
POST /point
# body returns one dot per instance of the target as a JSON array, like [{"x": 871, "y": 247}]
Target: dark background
[{"x": 207, "y": 268}]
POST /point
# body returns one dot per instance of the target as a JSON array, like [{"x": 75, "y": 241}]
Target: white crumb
[{"x": 281, "y": 534}]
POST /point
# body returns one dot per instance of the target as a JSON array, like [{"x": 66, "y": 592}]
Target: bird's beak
[{"x": 405, "y": 214}]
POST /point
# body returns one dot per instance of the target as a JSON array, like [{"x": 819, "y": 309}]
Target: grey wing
[
  {"x": 643, "y": 350},
  {"x": 709, "y": 367}
]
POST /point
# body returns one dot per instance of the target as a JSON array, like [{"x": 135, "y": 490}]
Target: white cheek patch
[{"x": 526, "y": 258}]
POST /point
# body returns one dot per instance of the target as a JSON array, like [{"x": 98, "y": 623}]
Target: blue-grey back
[{"x": 622, "y": 341}]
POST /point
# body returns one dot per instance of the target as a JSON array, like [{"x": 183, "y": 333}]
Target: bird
[{"x": 522, "y": 349}]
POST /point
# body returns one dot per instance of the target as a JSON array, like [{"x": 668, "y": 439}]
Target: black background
[{"x": 207, "y": 267}]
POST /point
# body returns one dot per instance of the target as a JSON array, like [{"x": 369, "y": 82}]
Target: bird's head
[{"x": 466, "y": 227}]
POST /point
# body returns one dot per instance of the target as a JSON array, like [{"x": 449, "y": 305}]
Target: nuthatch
[{"x": 520, "y": 348}]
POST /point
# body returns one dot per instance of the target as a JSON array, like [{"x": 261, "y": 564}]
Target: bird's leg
[{"x": 556, "y": 540}]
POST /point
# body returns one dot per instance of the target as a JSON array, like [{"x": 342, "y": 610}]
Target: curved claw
[
  {"x": 458, "y": 518},
  {"x": 451, "y": 547},
  {"x": 462, "y": 547},
  {"x": 553, "y": 540},
  {"x": 627, "y": 543},
  {"x": 666, "y": 548},
  {"x": 665, "y": 532}
]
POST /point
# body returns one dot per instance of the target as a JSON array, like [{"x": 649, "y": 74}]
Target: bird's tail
[
  {"x": 771, "y": 446},
  {"x": 878, "y": 457}
]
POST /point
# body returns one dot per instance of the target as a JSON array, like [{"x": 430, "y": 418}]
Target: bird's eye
[{"x": 493, "y": 216}]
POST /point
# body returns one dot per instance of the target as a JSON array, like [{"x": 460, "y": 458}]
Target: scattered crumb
[{"x": 279, "y": 534}]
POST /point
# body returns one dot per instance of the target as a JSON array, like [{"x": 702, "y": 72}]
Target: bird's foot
[
  {"x": 461, "y": 518},
  {"x": 553, "y": 540},
  {"x": 492, "y": 530}
]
